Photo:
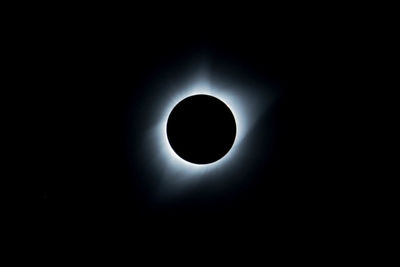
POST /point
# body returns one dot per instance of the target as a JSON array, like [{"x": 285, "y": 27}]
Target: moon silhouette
[{"x": 201, "y": 129}]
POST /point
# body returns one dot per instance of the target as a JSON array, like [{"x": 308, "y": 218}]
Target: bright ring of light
[
  {"x": 223, "y": 155},
  {"x": 175, "y": 165},
  {"x": 246, "y": 105}
]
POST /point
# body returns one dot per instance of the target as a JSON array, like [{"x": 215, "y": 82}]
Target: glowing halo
[
  {"x": 229, "y": 148},
  {"x": 175, "y": 159},
  {"x": 245, "y": 106}
]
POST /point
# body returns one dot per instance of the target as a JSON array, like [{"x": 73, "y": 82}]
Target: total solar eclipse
[{"x": 201, "y": 129}]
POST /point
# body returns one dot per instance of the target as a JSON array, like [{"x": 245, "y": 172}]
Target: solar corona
[{"x": 201, "y": 129}]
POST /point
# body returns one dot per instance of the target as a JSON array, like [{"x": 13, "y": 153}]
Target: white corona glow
[
  {"x": 176, "y": 160},
  {"x": 245, "y": 106},
  {"x": 173, "y": 153}
]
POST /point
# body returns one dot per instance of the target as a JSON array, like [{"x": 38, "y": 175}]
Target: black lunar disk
[{"x": 201, "y": 129}]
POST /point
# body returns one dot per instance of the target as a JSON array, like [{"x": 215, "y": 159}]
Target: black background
[{"x": 87, "y": 73}]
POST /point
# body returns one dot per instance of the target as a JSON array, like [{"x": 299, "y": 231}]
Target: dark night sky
[{"x": 89, "y": 78}]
